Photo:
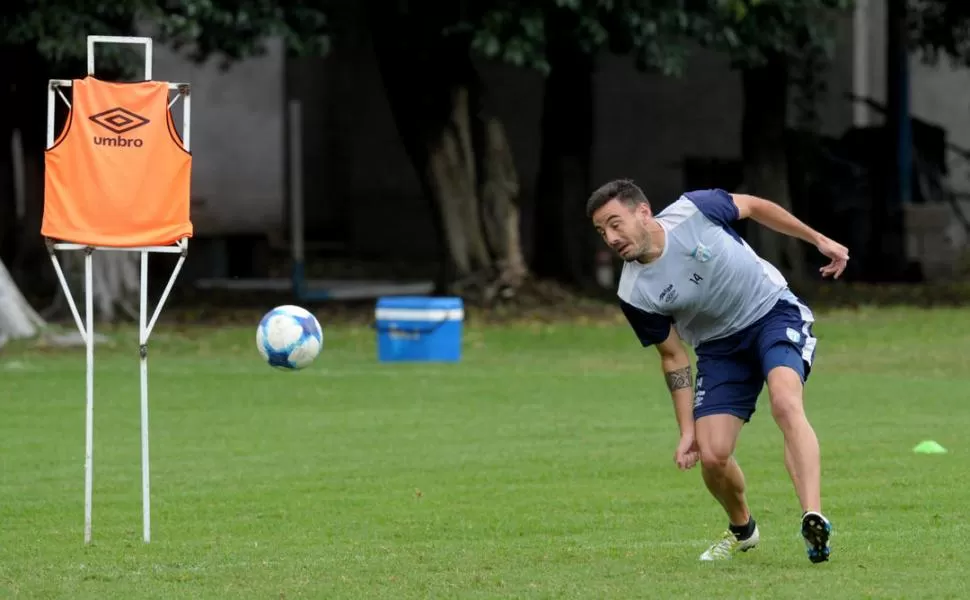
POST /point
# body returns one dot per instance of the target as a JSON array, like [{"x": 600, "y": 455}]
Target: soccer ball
[{"x": 289, "y": 337}]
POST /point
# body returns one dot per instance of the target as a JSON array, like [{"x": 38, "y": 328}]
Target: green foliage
[
  {"x": 940, "y": 27},
  {"x": 659, "y": 34},
  {"x": 57, "y": 30},
  {"x": 752, "y": 31},
  {"x": 654, "y": 33},
  {"x": 510, "y": 33},
  {"x": 234, "y": 29}
]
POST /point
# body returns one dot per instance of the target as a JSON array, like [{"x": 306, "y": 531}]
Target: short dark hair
[{"x": 623, "y": 190}]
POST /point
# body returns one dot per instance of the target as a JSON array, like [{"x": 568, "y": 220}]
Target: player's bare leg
[
  {"x": 716, "y": 437},
  {"x": 802, "y": 457}
]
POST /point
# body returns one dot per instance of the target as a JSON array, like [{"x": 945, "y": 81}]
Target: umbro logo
[{"x": 119, "y": 120}]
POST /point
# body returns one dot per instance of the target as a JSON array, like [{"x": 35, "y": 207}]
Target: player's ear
[{"x": 643, "y": 210}]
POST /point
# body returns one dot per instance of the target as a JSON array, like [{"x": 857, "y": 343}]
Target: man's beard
[{"x": 641, "y": 250}]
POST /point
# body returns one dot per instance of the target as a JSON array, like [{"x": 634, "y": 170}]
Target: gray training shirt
[{"x": 707, "y": 283}]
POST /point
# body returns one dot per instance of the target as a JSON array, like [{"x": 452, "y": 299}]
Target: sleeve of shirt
[
  {"x": 649, "y": 327},
  {"x": 717, "y": 205}
]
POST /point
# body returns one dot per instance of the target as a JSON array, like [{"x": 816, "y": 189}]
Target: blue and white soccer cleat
[{"x": 816, "y": 530}]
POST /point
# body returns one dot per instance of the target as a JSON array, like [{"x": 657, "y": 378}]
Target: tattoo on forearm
[{"x": 678, "y": 379}]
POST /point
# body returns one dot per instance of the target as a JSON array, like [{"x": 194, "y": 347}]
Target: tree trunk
[
  {"x": 564, "y": 241},
  {"x": 764, "y": 154},
  {"x": 459, "y": 151},
  {"x": 450, "y": 174},
  {"x": 500, "y": 192},
  {"x": 17, "y": 319}
]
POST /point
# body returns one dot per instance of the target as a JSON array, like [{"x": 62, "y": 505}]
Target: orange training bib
[{"x": 118, "y": 174}]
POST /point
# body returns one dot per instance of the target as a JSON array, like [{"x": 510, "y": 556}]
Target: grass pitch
[{"x": 539, "y": 467}]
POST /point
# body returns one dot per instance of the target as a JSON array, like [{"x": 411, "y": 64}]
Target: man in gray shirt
[{"x": 689, "y": 277}]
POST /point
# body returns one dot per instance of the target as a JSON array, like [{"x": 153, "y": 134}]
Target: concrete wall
[
  {"x": 647, "y": 124},
  {"x": 936, "y": 236},
  {"x": 939, "y": 92},
  {"x": 238, "y": 122}
]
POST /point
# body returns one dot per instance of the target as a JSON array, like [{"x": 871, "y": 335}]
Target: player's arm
[
  {"x": 776, "y": 217},
  {"x": 657, "y": 330},
  {"x": 675, "y": 363}
]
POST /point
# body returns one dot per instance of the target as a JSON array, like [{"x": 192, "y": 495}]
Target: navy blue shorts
[{"x": 731, "y": 371}]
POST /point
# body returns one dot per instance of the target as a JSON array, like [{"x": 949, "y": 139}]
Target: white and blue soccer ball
[{"x": 289, "y": 337}]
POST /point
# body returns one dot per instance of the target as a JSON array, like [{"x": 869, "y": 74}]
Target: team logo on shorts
[
  {"x": 701, "y": 253},
  {"x": 794, "y": 335}
]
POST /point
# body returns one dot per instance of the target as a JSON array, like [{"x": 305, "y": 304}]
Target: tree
[
  {"x": 457, "y": 145},
  {"x": 562, "y": 39},
  {"x": 774, "y": 44},
  {"x": 458, "y": 148},
  {"x": 777, "y": 46}
]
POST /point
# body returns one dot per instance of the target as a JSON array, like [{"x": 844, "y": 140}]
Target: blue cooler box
[{"x": 419, "y": 328}]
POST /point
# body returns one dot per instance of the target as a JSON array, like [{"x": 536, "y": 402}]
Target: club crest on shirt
[{"x": 701, "y": 253}]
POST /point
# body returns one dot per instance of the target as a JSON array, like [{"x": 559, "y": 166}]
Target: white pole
[
  {"x": 91, "y": 40},
  {"x": 121, "y": 39},
  {"x": 187, "y": 120},
  {"x": 87, "y": 327},
  {"x": 166, "y": 291},
  {"x": 81, "y": 327},
  {"x": 143, "y": 355},
  {"x": 860, "y": 63},
  {"x": 50, "y": 114},
  {"x": 296, "y": 192},
  {"x": 148, "y": 58},
  {"x": 89, "y": 412}
]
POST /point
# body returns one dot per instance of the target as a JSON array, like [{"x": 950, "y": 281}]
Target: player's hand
[
  {"x": 838, "y": 254},
  {"x": 687, "y": 453}
]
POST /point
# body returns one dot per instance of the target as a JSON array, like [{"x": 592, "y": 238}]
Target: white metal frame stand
[{"x": 145, "y": 325}]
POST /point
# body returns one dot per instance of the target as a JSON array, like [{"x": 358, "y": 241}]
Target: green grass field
[{"x": 538, "y": 467}]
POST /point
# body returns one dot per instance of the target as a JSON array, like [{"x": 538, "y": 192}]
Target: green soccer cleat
[{"x": 729, "y": 545}]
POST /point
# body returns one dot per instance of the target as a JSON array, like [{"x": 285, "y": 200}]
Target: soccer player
[{"x": 689, "y": 276}]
